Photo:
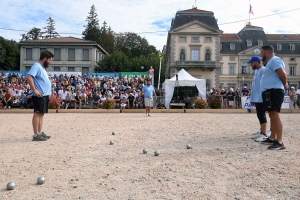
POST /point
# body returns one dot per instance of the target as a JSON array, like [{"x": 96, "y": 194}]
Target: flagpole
[{"x": 249, "y": 12}]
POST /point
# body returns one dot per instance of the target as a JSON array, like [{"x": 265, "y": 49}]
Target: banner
[
  {"x": 246, "y": 102},
  {"x": 11, "y": 72},
  {"x": 105, "y": 74},
  {"x": 133, "y": 74},
  {"x": 63, "y": 73}
]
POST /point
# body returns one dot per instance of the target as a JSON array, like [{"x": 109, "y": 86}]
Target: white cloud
[{"x": 139, "y": 16}]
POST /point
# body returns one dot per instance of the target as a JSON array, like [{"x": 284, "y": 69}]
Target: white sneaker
[
  {"x": 256, "y": 132},
  {"x": 8, "y": 107},
  {"x": 269, "y": 133},
  {"x": 255, "y": 136},
  {"x": 4, "y": 107},
  {"x": 261, "y": 138}
]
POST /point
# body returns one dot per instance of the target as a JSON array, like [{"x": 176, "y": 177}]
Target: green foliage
[
  {"x": 200, "y": 104},
  {"x": 50, "y": 29},
  {"x": 9, "y": 55},
  {"x": 32, "y": 34},
  {"x": 92, "y": 31},
  {"x": 115, "y": 62},
  {"x": 108, "y": 104},
  {"x": 214, "y": 103}
]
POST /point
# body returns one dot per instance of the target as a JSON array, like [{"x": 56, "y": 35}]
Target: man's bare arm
[{"x": 282, "y": 75}]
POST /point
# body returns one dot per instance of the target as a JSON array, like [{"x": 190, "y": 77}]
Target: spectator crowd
[{"x": 77, "y": 91}]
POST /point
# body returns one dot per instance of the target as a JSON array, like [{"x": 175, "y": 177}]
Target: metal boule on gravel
[
  {"x": 188, "y": 146},
  {"x": 145, "y": 151},
  {"x": 10, "y": 186},
  {"x": 41, "y": 180},
  {"x": 156, "y": 153},
  {"x": 113, "y": 133},
  {"x": 111, "y": 142}
]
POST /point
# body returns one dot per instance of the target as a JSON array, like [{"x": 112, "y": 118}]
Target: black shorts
[
  {"x": 273, "y": 99},
  {"x": 40, "y": 104}
]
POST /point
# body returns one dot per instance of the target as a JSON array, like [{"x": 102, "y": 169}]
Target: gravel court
[{"x": 79, "y": 163}]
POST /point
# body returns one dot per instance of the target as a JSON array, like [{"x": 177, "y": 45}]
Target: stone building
[{"x": 196, "y": 44}]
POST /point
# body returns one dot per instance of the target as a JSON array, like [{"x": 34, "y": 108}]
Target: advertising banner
[
  {"x": 246, "y": 102},
  {"x": 133, "y": 74},
  {"x": 63, "y": 73},
  {"x": 105, "y": 74}
]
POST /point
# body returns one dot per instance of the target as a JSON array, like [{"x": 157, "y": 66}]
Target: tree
[
  {"x": 50, "y": 29},
  {"x": 106, "y": 39},
  {"x": 115, "y": 62},
  {"x": 32, "y": 34},
  {"x": 9, "y": 55},
  {"x": 92, "y": 31},
  {"x": 133, "y": 45}
]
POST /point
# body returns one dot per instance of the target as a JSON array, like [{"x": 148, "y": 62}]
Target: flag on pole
[{"x": 251, "y": 10}]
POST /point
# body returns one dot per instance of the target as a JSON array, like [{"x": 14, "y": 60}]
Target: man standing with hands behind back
[
  {"x": 148, "y": 91},
  {"x": 273, "y": 82},
  {"x": 41, "y": 87}
]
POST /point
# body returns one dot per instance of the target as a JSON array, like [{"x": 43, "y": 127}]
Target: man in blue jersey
[
  {"x": 148, "y": 91},
  {"x": 256, "y": 98},
  {"x": 41, "y": 86},
  {"x": 273, "y": 83}
]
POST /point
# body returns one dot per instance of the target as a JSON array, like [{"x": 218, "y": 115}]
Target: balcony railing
[{"x": 196, "y": 64}]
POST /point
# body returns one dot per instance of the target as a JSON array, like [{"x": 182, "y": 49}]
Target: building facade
[
  {"x": 196, "y": 44},
  {"x": 70, "y": 54}
]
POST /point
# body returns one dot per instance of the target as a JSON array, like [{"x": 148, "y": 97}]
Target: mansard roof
[{"x": 186, "y": 16}]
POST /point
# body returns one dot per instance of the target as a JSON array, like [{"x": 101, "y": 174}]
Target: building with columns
[{"x": 196, "y": 44}]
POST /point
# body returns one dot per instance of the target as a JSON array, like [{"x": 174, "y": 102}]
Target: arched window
[
  {"x": 182, "y": 54},
  {"x": 207, "y": 55}
]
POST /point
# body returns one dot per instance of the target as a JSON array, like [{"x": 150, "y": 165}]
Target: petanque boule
[
  {"x": 10, "y": 186},
  {"x": 145, "y": 151},
  {"x": 113, "y": 133},
  {"x": 156, "y": 153},
  {"x": 188, "y": 146},
  {"x": 111, "y": 142},
  {"x": 41, "y": 180}
]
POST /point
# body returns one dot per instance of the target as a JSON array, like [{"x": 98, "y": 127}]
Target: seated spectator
[
  {"x": 131, "y": 101},
  {"x": 96, "y": 100},
  {"x": 124, "y": 103},
  {"x": 84, "y": 98},
  {"x": 117, "y": 99},
  {"x": 7, "y": 100},
  {"x": 77, "y": 100},
  {"x": 22, "y": 100},
  {"x": 68, "y": 100},
  {"x": 139, "y": 102},
  {"x": 160, "y": 105}
]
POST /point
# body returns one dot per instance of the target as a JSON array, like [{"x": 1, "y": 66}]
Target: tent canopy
[{"x": 184, "y": 79}]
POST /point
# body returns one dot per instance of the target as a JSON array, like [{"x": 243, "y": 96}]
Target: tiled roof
[
  {"x": 59, "y": 40},
  {"x": 229, "y": 37},
  {"x": 283, "y": 37},
  {"x": 193, "y": 10}
]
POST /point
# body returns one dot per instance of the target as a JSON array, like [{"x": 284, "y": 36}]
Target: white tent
[{"x": 184, "y": 79}]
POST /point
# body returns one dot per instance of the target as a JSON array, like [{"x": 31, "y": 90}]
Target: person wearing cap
[
  {"x": 293, "y": 97},
  {"x": 273, "y": 83},
  {"x": 256, "y": 98}
]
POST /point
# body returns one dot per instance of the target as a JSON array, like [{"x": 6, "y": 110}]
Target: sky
[{"x": 149, "y": 18}]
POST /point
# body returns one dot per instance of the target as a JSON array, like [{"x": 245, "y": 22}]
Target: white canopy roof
[{"x": 184, "y": 79}]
